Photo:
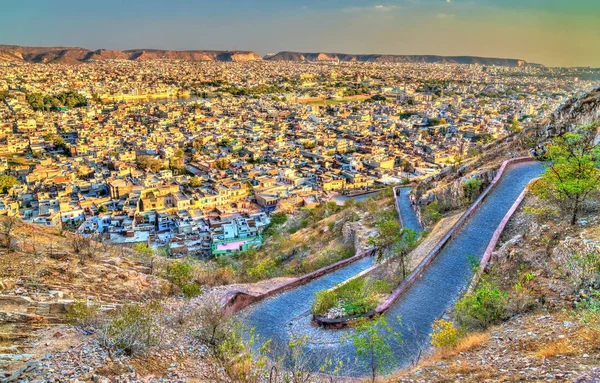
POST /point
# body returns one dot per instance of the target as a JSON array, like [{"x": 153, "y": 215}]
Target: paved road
[
  {"x": 409, "y": 217},
  {"x": 288, "y": 314}
]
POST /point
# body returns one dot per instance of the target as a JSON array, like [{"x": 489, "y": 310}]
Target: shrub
[
  {"x": 179, "y": 273},
  {"x": 432, "y": 213},
  {"x": 472, "y": 188},
  {"x": 388, "y": 192},
  {"x": 357, "y": 296},
  {"x": 279, "y": 219},
  {"x": 223, "y": 275},
  {"x": 132, "y": 330},
  {"x": 482, "y": 307},
  {"x": 262, "y": 270},
  {"x": 544, "y": 213},
  {"x": 192, "y": 290},
  {"x": 381, "y": 286},
  {"x": 325, "y": 300},
  {"x": 444, "y": 334},
  {"x": 82, "y": 312}
]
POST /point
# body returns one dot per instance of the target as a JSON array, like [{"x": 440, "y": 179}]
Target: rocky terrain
[
  {"x": 584, "y": 109},
  {"x": 74, "y": 55},
  {"x": 321, "y": 56},
  {"x": 539, "y": 347}
]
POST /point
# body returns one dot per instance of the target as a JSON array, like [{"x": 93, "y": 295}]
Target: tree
[
  {"x": 82, "y": 246},
  {"x": 7, "y": 182},
  {"x": 195, "y": 182},
  {"x": 221, "y": 336},
  {"x": 148, "y": 162},
  {"x": 222, "y": 164},
  {"x": 472, "y": 188},
  {"x": 145, "y": 254},
  {"x": 572, "y": 173},
  {"x": 372, "y": 341},
  {"x": 8, "y": 226},
  {"x": 395, "y": 241}
]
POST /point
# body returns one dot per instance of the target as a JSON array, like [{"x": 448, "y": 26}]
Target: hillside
[
  {"x": 75, "y": 55},
  {"x": 381, "y": 58}
]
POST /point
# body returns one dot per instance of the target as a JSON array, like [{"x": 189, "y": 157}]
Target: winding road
[
  {"x": 288, "y": 314},
  {"x": 409, "y": 217}
]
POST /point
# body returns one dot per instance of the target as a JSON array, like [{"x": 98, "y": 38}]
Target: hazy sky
[{"x": 551, "y": 32}]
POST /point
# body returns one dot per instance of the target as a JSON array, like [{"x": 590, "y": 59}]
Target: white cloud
[{"x": 373, "y": 8}]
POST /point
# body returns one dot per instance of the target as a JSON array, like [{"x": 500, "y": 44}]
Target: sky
[{"x": 549, "y": 32}]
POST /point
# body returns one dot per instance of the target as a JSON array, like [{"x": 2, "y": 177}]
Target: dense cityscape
[{"x": 197, "y": 155}]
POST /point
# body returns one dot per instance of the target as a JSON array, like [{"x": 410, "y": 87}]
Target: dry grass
[
  {"x": 554, "y": 348},
  {"x": 467, "y": 343},
  {"x": 589, "y": 338}
]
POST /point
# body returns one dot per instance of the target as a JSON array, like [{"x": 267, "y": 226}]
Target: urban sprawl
[{"x": 194, "y": 157}]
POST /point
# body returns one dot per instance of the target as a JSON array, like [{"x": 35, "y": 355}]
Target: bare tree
[
  {"x": 233, "y": 356},
  {"x": 82, "y": 246},
  {"x": 7, "y": 228}
]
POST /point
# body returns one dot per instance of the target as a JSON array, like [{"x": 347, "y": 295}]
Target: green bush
[
  {"x": 357, "y": 296},
  {"x": 180, "y": 273},
  {"x": 132, "y": 330},
  {"x": 192, "y": 290},
  {"x": 325, "y": 300},
  {"x": 262, "y": 270},
  {"x": 472, "y": 188},
  {"x": 82, "y": 312},
  {"x": 432, "y": 213},
  {"x": 444, "y": 334},
  {"x": 279, "y": 218},
  {"x": 482, "y": 307}
]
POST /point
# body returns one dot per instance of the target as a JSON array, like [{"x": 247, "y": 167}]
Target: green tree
[
  {"x": 195, "y": 182},
  {"x": 148, "y": 162},
  {"x": 372, "y": 340},
  {"x": 7, "y": 182},
  {"x": 222, "y": 164},
  {"x": 432, "y": 213},
  {"x": 472, "y": 188},
  {"x": 572, "y": 173}
]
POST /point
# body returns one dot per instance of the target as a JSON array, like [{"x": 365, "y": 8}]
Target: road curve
[{"x": 288, "y": 314}]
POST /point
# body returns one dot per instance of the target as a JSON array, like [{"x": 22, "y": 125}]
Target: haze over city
[{"x": 549, "y": 32}]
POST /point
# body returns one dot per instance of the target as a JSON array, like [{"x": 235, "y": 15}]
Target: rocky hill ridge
[
  {"x": 386, "y": 58},
  {"x": 76, "y": 55}
]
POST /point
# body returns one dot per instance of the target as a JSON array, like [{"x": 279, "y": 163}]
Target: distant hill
[
  {"x": 321, "y": 56},
  {"x": 75, "y": 55}
]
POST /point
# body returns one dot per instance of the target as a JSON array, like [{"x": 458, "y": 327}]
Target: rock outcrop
[{"x": 577, "y": 111}]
